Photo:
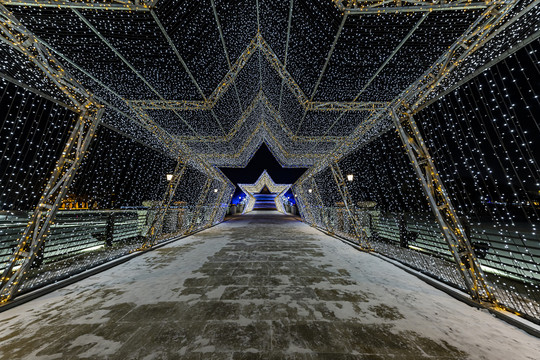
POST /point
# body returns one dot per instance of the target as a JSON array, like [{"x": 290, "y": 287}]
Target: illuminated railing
[
  {"x": 414, "y": 239},
  {"x": 83, "y": 239}
]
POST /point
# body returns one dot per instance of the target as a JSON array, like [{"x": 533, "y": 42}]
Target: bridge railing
[
  {"x": 508, "y": 257},
  {"x": 455, "y": 182},
  {"x": 83, "y": 239}
]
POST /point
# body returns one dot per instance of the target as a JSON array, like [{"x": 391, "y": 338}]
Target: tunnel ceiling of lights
[{"x": 223, "y": 77}]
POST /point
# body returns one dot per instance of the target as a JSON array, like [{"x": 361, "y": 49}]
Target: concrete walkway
[{"x": 260, "y": 286}]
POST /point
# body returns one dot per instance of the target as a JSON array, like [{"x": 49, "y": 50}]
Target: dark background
[{"x": 263, "y": 159}]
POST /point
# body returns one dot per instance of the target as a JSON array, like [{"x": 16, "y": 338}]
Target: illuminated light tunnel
[{"x": 407, "y": 131}]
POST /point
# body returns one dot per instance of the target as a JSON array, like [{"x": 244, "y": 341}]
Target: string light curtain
[
  {"x": 482, "y": 137},
  {"x": 111, "y": 201}
]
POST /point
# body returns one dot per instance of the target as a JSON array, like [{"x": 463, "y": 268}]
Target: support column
[
  {"x": 317, "y": 194},
  {"x": 217, "y": 204},
  {"x": 302, "y": 205},
  {"x": 200, "y": 202},
  {"x": 359, "y": 233},
  {"x": 156, "y": 228},
  {"x": 452, "y": 228},
  {"x": 32, "y": 242}
]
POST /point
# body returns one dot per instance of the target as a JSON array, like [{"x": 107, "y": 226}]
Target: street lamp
[
  {"x": 309, "y": 191},
  {"x": 350, "y": 177},
  {"x": 169, "y": 177},
  {"x": 215, "y": 190}
]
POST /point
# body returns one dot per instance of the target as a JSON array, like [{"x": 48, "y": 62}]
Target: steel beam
[
  {"x": 346, "y": 105},
  {"x": 281, "y": 70},
  {"x": 32, "y": 241},
  {"x": 216, "y": 17},
  {"x": 217, "y": 205},
  {"x": 327, "y": 61},
  {"x": 111, "y": 5},
  {"x": 156, "y": 228},
  {"x": 177, "y": 53},
  {"x": 129, "y": 65},
  {"x": 380, "y": 69},
  {"x": 188, "y": 105},
  {"x": 320, "y": 204},
  {"x": 257, "y": 43},
  {"x": 453, "y": 231},
  {"x": 289, "y": 23},
  {"x": 31, "y": 244},
  {"x": 179, "y": 105},
  {"x": 202, "y": 198},
  {"x": 233, "y": 72},
  {"x": 303, "y": 206},
  {"x": 359, "y": 233},
  {"x": 328, "y": 56},
  {"x": 378, "y": 7},
  {"x": 468, "y": 43}
]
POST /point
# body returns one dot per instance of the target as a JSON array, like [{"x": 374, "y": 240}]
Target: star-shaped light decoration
[{"x": 262, "y": 181}]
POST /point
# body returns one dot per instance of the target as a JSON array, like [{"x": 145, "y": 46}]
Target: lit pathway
[{"x": 263, "y": 286}]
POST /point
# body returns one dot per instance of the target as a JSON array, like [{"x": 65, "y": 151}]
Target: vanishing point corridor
[{"x": 260, "y": 286}]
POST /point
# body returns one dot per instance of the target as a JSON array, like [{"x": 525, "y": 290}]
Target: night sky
[{"x": 263, "y": 159}]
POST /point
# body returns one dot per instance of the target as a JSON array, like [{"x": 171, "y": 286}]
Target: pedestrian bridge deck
[{"x": 259, "y": 286}]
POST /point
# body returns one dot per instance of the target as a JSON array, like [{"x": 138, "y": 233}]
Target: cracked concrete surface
[{"x": 261, "y": 286}]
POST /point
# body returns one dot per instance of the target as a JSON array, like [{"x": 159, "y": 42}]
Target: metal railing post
[
  {"x": 359, "y": 232},
  {"x": 156, "y": 228}
]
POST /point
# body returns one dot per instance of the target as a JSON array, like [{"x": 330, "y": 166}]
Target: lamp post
[
  {"x": 350, "y": 177},
  {"x": 169, "y": 177}
]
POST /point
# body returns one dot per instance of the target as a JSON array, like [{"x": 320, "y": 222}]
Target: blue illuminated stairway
[{"x": 264, "y": 202}]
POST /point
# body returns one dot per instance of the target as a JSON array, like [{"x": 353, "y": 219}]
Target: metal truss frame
[
  {"x": 468, "y": 43},
  {"x": 156, "y": 228},
  {"x": 31, "y": 244},
  {"x": 263, "y": 130},
  {"x": 473, "y": 39},
  {"x": 149, "y": 124},
  {"x": 346, "y": 105},
  {"x": 177, "y": 147},
  {"x": 222, "y": 38},
  {"x": 359, "y": 233},
  {"x": 184, "y": 65},
  {"x": 362, "y": 7},
  {"x": 480, "y": 32},
  {"x": 110, "y": 5},
  {"x": 323, "y": 70},
  {"x": 289, "y": 25},
  {"x": 259, "y": 98},
  {"x": 131, "y": 67},
  {"x": 451, "y": 227},
  {"x": 257, "y": 43}
]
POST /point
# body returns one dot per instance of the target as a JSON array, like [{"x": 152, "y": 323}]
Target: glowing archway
[{"x": 262, "y": 181}]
